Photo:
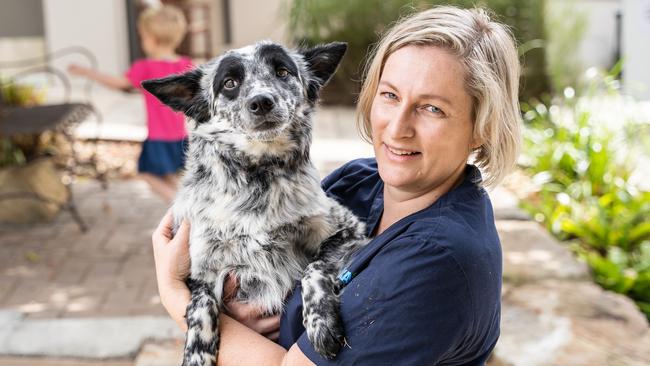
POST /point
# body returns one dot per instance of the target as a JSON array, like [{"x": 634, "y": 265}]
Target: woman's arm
[
  {"x": 242, "y": 346},
  {"x": 171, "y": 255}
]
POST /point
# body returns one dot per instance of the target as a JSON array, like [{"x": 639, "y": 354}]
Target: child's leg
[{"x": 160, "y": 186}]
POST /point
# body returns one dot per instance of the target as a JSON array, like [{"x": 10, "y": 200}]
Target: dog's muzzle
[{"x": 261, "y": 105}]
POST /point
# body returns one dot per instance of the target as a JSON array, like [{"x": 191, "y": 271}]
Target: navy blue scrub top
[{"x": 426, "y": 291}]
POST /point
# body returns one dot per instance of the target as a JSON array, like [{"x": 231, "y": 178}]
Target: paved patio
[{"x": 53, "y": 270}]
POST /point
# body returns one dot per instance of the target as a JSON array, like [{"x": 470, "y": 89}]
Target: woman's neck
[{"x": 400, "y": 203}]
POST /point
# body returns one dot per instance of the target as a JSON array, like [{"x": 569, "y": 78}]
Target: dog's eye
[
  {"x": 230, "y": 84},
  {"x": 282, "y": 72}
]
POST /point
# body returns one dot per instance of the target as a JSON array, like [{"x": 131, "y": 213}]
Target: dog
[{"x": 252, "y": 194}]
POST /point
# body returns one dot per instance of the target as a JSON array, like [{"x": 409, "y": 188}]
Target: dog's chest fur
[{"x": 261, "y": 219}]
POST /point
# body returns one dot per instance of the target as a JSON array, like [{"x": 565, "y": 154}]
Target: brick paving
[
  {"x": 41, "y": 361},
  {"x": 53, "y": 270}
]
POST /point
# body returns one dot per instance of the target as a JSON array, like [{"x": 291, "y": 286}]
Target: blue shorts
[{"x": 162, "y": 157}]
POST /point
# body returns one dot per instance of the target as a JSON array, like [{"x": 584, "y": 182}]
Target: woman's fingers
[
  {"x": 183, "y": 233},
  {"x": 171, "y": 254},
  {"x": 251, "y": 316},
  {"x": 164, "y": 229},
  {"x": 230, "y": 288},
  {"x": 268, "y": 325},
  {"x": 274, "y": 336}
]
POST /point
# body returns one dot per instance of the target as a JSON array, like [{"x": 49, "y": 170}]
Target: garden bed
[{"x": 583, "y": 156}]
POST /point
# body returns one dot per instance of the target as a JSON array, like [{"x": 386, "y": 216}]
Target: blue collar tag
[{"x": 346, "y": 276}]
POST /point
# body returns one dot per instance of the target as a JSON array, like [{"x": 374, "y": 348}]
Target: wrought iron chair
[{"x": 60, "y": 117}]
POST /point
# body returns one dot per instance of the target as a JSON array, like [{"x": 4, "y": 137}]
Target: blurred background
[{"x": 77, "y": 282}]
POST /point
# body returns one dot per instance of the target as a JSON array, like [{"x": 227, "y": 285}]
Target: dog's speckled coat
[{"x": 253, "y": 196}]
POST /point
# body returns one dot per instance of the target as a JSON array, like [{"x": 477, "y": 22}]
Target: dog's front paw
[{"x": 325, "y": 332}]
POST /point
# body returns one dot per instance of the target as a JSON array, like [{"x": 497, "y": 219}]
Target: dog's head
[{"x": 255, "y": 92}]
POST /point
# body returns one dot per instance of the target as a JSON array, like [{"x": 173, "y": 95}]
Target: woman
[{"x": 440, "y": 90}]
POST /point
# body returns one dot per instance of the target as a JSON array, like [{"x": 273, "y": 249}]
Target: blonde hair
[
  {"x": 165, "y": 23},
  {"x": 487, "y": 52}
]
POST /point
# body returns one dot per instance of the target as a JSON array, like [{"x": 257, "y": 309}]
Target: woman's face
[{"x": 421, "y": 120}]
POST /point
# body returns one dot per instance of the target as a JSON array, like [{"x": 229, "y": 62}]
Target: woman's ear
[
  {"x": 475, "y": 143},
  {"x": 182, "y": 93}
]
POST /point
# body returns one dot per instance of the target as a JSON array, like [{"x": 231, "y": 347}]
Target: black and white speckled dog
[{"x": 252, "y": 194}]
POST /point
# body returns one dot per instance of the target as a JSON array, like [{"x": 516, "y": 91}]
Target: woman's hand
[
  {"x": 249, "y": 315},
  {"x": 171, "y": 254},
  {"x": 172, "y": 258}
]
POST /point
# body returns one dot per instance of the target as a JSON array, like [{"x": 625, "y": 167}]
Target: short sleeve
[
  {"x": 410, "y": 306},
  {"x": 332, "y": 178},
  {"x": 137, "y": 73}
]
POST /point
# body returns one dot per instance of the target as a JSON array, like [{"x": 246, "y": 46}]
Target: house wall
[
  {"x": 598, "y": 45},
  {"x": 21, "y": 32},
  {"x": 98, "y": 25},
  {"x": 598, "y": 48},
  {"x": 636, "y": 48},
  {"x": 254, "y": 20}
]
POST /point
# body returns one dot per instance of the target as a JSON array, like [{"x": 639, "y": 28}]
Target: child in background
[{"x": 161, "y": 30}]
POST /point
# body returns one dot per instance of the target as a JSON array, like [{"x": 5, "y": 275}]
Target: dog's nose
[{"x": 261, "y": 104}]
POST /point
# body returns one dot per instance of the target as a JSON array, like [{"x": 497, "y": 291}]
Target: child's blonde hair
[
  {"x": 165, "y": 23},
  {"x": 487, "y": 51}
]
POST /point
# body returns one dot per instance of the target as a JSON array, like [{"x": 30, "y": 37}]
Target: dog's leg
[
  {"x": 320, "y": 309},
  {"x": 321, "y": 287},
  {"x": 202, "y": 315}
]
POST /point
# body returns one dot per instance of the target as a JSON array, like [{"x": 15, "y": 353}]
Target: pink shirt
[{"x": 162, "y": 122}]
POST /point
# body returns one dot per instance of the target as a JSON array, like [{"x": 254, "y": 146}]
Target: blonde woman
[{"x": 439, "y": 100}]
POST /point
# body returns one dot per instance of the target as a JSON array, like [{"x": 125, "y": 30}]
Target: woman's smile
[{"x": 401, "y": 154}]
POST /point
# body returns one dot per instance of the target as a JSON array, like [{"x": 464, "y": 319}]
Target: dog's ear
[
  {"x": 322, "y": 61},
  {"x": 182, "y": 93}
]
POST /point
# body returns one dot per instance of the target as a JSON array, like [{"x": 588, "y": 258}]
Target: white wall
[
  {"x": 99, "y": 25},
  {"x": 598, "y": 48},
  {"x": 636, "y": 48},
  {"x": 21, "y": 33},
  {"x": 254, "y": 20}
]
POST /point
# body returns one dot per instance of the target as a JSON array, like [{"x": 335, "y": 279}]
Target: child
[{"x": 161, "y": 30}]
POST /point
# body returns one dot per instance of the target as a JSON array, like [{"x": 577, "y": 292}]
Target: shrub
[
  {"x": 360, "y": 22},
  {"x": 583, "y": 168}
]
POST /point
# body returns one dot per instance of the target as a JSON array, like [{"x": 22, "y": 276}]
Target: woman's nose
[{"x": 401, "y": 125}]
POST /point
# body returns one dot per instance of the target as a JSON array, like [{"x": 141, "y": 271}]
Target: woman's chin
[{"x": 397, "y": 177}]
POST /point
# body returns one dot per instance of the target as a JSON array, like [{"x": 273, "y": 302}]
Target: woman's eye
[
  {"x": 230, "y": 84},
  {"x": 389, "y": 95},
  {"x": 282, "y": 72},
  {"x": 433, "y": 109}
]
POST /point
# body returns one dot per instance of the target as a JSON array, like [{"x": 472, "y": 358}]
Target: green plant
[
  {"x": 582, "y": 168},
  {"x": 18, "y": 150},
  {"x": 20, "y": 95},
  {"x": 361, "y": 22}
]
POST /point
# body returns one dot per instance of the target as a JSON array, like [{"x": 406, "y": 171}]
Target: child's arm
[{"x": 110, "y": 81}]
